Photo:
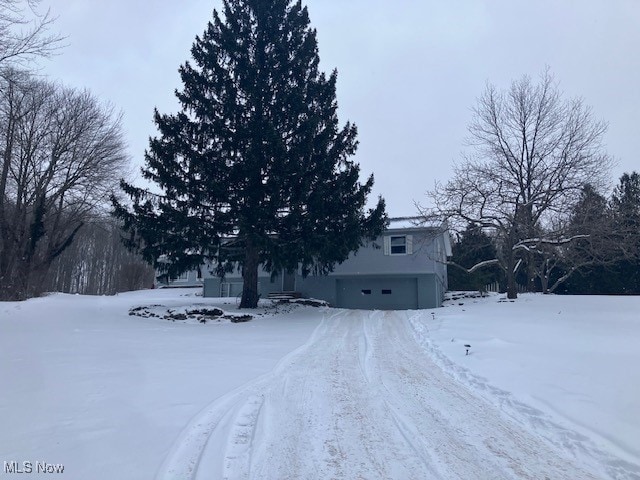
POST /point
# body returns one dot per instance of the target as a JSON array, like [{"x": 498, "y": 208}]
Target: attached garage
[
  {"x": 380, "y": 293},
  {"x": 405, "y": 268}
]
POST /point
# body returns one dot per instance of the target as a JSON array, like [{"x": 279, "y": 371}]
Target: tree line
[
  {"x": 255, "y": 170},
  {"x": 61, "y": 155},
  {"x": 97, "y": 263},
  {"x": 606, "y": 261}
]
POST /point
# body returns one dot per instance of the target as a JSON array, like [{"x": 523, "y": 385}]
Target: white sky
[{"x": 409, "y": 71}]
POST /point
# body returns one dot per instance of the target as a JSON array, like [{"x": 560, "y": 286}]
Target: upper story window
[{"x": 398, "y": 245}]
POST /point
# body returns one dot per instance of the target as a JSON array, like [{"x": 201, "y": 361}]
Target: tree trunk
[
  {"x": 545, "y": 270},
  {"x": 544, "y": 280},
  {"x": 250, "y": 276},
  {"x": 531, "y": 273},
  {"x": 512, "y": 290}
]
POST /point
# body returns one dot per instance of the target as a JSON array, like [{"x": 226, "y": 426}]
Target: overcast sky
[{"x": 408, "y": 71}]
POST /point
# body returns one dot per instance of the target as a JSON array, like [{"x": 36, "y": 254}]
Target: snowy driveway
[{"x": 360, "y": 400}]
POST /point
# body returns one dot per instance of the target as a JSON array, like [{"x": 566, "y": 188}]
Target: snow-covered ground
[
  {"x": 550, "y": 389},
  {"x": 86, "y": 385},
  {"x": 566, "y": 366}
]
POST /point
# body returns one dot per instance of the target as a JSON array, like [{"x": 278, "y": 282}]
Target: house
[
  {"x": 405, "y": 268},
  {"x": 192, "y": 278}
]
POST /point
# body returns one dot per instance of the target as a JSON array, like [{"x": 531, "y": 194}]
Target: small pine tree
[
  {"x": 254, "y": 169},
  {"x": 473, "y": 246}
]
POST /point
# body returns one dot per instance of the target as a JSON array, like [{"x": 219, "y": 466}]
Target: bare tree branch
[
  {"x": 532, "y": 152},
  {"x": 25, "y": 33},
  {"x": 63, "y": 153}
]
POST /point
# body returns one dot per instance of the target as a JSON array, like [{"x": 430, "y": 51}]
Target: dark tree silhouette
[{"x": 254, "y": 170}]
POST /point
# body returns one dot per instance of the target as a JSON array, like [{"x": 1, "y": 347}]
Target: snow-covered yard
[
  {"x": 86, "y": 385},
  {"x": 568, "y": 367},
  {"x": 550, "y": 388}
]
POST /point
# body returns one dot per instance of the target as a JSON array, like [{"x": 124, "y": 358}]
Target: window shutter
[
  {"x": 387, "y": 245},
  {"x": 409, "y": 244}
]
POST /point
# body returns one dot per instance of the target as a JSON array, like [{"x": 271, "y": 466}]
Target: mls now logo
[{"x": 31, "y": 467}]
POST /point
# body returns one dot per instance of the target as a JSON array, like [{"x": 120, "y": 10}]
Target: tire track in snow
[
  {"x": 465, "y": 435},
  {"x": 369, "y": 327},
  {"x": 563, "y": 438},
  {"x": 237, "y": 459},
  {"x": 184, "y": 458},
  {"x": 361, "y": 399}
]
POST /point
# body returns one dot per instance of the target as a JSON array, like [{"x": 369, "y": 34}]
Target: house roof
[
  {"x": 408, "y": 224},
  {"x": 397, "y": 223}
]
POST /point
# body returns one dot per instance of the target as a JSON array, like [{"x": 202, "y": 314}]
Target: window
[
  {"x": 366, "y": 292},
  {"x": 386, "y": 292},
  {"x": 398, "y": 245}
]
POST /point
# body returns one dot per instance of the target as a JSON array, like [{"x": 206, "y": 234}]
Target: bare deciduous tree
[
  {"x": 532, "y": 153},
  {"x": 24, "y": 32},
  {"x": 98, "y": 263},
  {"x": 62, "y": 152}
]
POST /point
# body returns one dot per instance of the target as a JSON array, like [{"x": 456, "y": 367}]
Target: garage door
[{"x": 370, "y": 293}]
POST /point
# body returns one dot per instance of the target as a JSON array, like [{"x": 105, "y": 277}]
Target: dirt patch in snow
[{"x": 189, "y": 314}]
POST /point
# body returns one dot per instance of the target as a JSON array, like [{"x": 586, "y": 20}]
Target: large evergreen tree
[
  {"x": 254, "y": 170},
  {"x": 608, "y": 260},
  {"x": 625, "y": 203},
  {"x": 583, "y": 266}
]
